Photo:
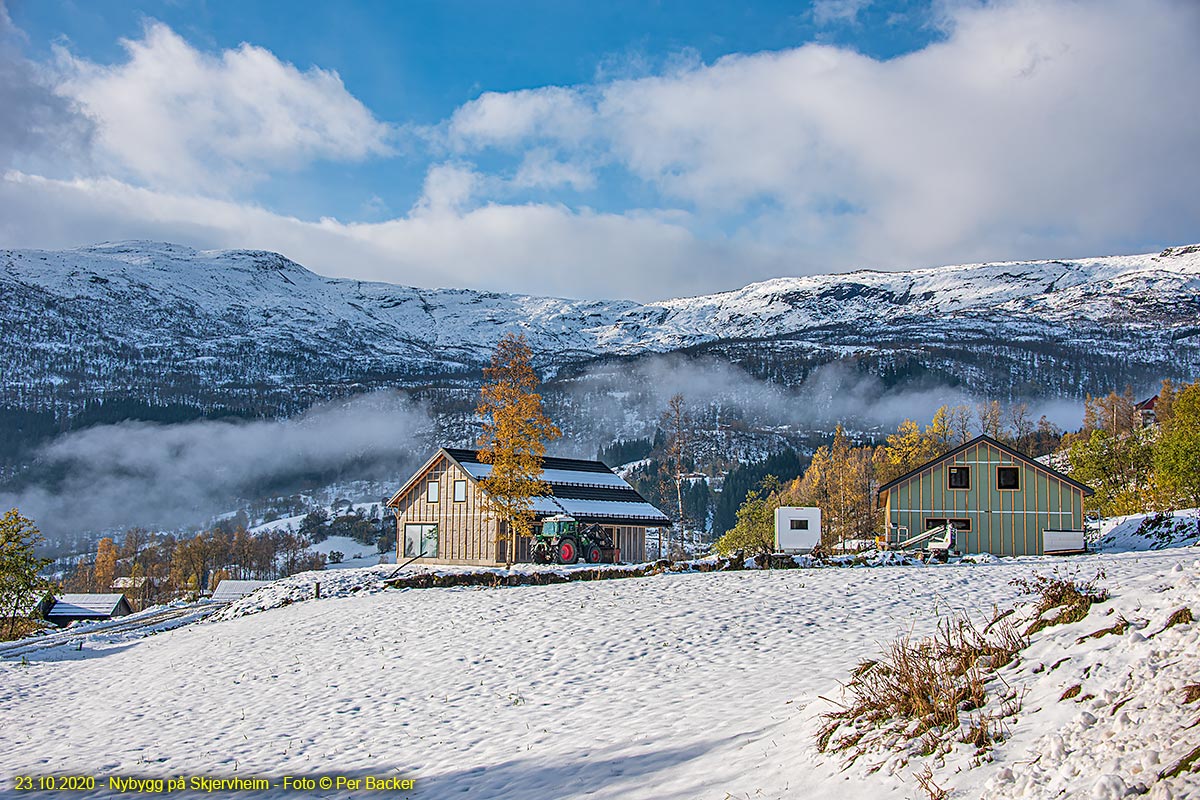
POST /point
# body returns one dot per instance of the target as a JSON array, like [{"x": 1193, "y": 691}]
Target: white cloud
[
  {"x": 534, "y": 248},
  {"x": 540, "y": 169},
  {"x": 827, "y": 11},
  {"x": 173, "y": 116},
  {"x": 1032, "y": 129},
  {"x": 37, "y": 127},
  {"x": 510, "y": 119}
]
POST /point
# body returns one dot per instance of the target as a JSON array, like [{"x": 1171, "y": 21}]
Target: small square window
[
  {"x": 460, "y": 491},
  {"x": 798, "y": 524},
  {"x": 1008, "y": 478},
  {"x": 431, "y": 492},
  {"x": 958, "y": 477}
]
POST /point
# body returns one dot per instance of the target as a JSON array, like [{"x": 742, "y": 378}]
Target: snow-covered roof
[
  {"x": 587, "y": 490},
  {"x": 130, "y": 583},
  {"x": 227, "y": 591},
  {"x": 86, "y": 605},
  {"x": 561, "y": 476}
]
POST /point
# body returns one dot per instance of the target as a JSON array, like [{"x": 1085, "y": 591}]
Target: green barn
[{"x": 998, "y": 500}]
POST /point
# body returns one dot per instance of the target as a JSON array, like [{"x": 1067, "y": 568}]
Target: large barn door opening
[{"x": 420, "y": 540}]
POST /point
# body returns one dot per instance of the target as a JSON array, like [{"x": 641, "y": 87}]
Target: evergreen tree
[
  {"x": 515, "y": 430},
  {"x": 19, "y": 569}
]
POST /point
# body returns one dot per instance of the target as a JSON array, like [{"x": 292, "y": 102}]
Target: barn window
[
  {"x": 958, "y": 477},
  {"x": 431, "y": 492},
  {"x": 1008, "y": 478},
  {"x": 934, "y": 522},
  {"x": 799, "y": 524},
  {"x": 460, "y": 491}
]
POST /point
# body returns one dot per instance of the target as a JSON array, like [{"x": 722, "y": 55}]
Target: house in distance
[
  {"x": 999, "y": 501},
  {"x": 441, "y": 510}
]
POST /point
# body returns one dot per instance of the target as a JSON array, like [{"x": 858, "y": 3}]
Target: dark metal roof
[
  {"x": 994, "y": 443},
  {"x": 611, "y": 494},
  {"x": 464, "y": 456}
]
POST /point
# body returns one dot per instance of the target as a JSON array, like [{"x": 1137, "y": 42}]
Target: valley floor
[{"x": 677, "y": 686}]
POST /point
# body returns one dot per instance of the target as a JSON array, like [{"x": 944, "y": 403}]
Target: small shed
[
  {"x": 998, "y": 500},
  {"x": 227, "y": 591},
  {"x": 70, "y": 608}
]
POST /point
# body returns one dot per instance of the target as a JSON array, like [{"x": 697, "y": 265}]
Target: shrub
[
  {"x": 918, "y": 689},
  {"x": 1071, "y": 596}
]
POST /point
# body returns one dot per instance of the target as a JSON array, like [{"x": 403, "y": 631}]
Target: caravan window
[{"x": 798, "y": 524}]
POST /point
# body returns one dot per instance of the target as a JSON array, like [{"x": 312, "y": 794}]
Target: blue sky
[{"x": 641, "y": 150}]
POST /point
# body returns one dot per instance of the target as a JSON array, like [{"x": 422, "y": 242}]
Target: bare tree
[{"x": 677, "y": 424}]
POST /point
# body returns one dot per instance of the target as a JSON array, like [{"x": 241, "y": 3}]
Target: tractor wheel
[
  {"x": 567, "y": 550},
  {"x": 593, "y": 554}
]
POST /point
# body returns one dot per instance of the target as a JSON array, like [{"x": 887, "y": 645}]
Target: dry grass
[
  {"x": 1072, "y": 691},
  {"x": 1191, "y": 693},
  {"x": 919, "y": 688},
  {"x": 1180, "y": 616},
  {"x": 1071, "y": 596},
  {"x": 931, "y": 789},
  {"x": 1118, "y": 629}
]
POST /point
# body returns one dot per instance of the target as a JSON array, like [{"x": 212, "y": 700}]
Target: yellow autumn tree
[
  {"x": 105, "y": 569},
  {"x": 513, "y": 439}
]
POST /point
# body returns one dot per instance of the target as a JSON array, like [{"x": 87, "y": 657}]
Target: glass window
[
  {"x": 934, "y": 522},
  {"x": 958, "y": 477},
  {"x": 460, "y": 491},
  {"x": 420, "y": 540},
  {"x": 1008, "y": 478},
  {"x": 799, "y": 524},
  {"x": 431, "y": 492}
]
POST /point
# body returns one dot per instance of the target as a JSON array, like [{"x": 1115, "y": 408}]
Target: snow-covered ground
[
  {"x": 686, "y": 686},
  {"x": 1150, "y": 531}
]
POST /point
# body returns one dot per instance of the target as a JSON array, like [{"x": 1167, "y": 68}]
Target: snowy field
[{"x": 675, "y": 686}]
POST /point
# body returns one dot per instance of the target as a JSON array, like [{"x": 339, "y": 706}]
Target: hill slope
[{"x": 162, "y": 320}]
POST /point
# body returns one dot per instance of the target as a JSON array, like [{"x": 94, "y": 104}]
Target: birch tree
[
  {"x": 513, "y": 439},
  {"x": 19, "y": 568}
]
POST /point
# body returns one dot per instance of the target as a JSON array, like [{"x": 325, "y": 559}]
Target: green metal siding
[{"x": 1004, "y": 522}]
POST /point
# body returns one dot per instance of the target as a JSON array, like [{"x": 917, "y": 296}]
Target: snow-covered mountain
[{"x": 164, "y": 321}]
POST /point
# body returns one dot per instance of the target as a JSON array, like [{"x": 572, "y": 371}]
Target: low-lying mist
[{"x": 175, "y": 476}]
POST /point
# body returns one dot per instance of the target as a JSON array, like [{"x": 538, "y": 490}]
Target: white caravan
[{"x": 797, "y": 529}]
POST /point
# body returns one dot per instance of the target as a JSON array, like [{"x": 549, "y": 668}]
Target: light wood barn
[{"x": 441, "y": 509}]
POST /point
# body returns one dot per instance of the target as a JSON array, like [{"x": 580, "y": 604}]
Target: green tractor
[{"x": 562, "y": 540}]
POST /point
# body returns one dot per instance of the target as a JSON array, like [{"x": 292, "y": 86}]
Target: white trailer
[{"x": 797, "y": 529}]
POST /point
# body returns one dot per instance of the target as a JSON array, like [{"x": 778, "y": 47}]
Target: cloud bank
[
  {"x": 1028, "y": 129},
  {"x": 174, "y": 476}
]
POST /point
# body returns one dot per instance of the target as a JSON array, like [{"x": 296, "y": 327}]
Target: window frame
[
  {"x": 797, "y": 525},
  {"x": 433, "y": 492},
  {"x": 1016, "y": 470},
  {"x": 460, "y": 483},
  {"x": 950, "y": 471}
]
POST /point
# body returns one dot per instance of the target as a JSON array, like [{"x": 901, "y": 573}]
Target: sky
[{"x": 639, "y": 150}]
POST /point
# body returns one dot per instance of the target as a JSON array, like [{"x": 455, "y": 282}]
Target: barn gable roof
[
  {"x": 229, "y": 590},
  {"x": 985, "y": 439},
  {"x": 100, "y": 606},
  {"x": 584, "y": 489}
]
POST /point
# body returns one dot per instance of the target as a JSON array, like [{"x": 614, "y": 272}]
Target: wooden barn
[
  {"x": 999, "y": 501},
  {"x": 441, "y": 510},
  {"x": 70, "y": 608}
]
